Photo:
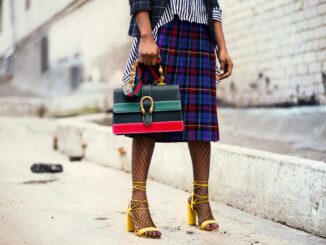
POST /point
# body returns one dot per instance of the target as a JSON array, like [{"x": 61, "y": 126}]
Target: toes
[
  {"x": 211, "y": 227},
  {"x": 157, "y": 234},
  {"x": 153, "y": 234}
]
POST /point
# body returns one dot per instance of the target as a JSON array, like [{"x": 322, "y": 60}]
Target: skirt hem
[{"x": 173, "y": 140}]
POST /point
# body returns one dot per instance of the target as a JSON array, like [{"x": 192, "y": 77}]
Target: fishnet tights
[
  {"x": 200, "y": 152},
  {"x": 142, "y": 151}
]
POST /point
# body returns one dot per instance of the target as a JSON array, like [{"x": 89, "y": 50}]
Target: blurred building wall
[
  {"x": 27, "y": 16},
  {"x": 279, "y": 51},
  {"x": 278, "y": 47},
  {"x": 68, "y": 43},
  {"x": 98, "y": 34}
]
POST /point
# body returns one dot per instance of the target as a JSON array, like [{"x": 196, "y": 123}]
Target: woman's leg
[
  {"x": 200, "y": 152},
  {"x": 142, "y": 151}
]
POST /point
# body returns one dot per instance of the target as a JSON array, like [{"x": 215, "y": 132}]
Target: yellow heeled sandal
[
  {"x": 129, "y": 224},
  {"x": 199, "y": 199}
]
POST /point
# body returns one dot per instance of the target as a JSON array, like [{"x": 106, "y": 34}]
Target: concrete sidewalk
[{"x": 86, "y": 203}]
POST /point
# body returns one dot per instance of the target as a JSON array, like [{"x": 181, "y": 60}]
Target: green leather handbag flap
[{"x": 169, "y": 105}]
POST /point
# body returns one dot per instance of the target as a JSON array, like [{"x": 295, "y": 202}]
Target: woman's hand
[
  {"x": 149, "y": 52},
  {"x": 226, "y": 64}
]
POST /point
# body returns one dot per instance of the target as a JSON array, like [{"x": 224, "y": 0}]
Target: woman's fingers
[
  {"x": 218, "y": 77},
  {"x": 228, "y": 69},
  {"x": 146, "y": 60},
  {"x": 141, "y": 60},
  {"x": 222, "y": 70},
  {"x": 222, "y": 67},
  {"x": 154, "y": 60},
  {"x": 225, "y": 68},
  {"x": 154, "y": 57},
  {"x": 149, "y": 53},
  {"x": 158, "y": 56},
  {"x": 226, "y": 64}
]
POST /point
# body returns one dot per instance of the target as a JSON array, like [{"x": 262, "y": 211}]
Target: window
[
  {"x": 44, "y": 54},
  {"x": 27, "y": 4}
]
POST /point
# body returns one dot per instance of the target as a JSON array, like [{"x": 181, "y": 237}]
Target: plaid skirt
[{"x": 188, "y": 59}]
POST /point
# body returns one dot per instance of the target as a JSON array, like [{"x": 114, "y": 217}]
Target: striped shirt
[{"x": 189, "y": 10}]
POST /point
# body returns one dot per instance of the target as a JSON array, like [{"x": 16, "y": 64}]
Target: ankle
[
  {"x": 201, "y": 191},
  {"x": 138, "y": 195},
  {"x": 200, "y": 188},
  {"x": 138, "y": 190}
]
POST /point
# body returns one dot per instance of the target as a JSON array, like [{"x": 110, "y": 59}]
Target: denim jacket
[{"x": 156, "y": 9}]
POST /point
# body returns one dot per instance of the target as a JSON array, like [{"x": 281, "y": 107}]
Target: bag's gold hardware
[
  {"x": 133, "y": 73},
  {"x": 159, "y": 81},
  {"x": 142, "y": 104}
]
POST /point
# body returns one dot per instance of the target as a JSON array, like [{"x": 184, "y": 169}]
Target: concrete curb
[{"x": 284, "y": 189}]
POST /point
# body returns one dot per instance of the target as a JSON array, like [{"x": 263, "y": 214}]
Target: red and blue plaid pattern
[{"x": 188, "y": 58}]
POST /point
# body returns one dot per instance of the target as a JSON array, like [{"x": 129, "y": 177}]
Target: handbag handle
[{"x": 159, "y": 81}]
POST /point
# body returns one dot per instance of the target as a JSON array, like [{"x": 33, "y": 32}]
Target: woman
[{"x": 186, "y": 36}]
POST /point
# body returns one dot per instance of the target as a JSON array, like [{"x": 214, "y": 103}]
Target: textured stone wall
[{"x": 279, "y": 51}]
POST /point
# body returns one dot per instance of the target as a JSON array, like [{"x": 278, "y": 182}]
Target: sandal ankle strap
[
  {"x": 136, "y": 204},
  {"x": 139, "y": 185},
  {"x": 200, "y": 183},
  {"x": 199, "y": 198}
]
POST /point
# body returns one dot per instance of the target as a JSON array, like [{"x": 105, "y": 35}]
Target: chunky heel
[
  {"x": 134, "y": 206},
  {"x": 129, "y": 224},
  {"x": 191, "y": 216},
  {"x": 196, "y": 199}
]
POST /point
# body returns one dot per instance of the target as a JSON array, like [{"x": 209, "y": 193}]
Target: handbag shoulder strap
[{"x": 151, "y": 72}]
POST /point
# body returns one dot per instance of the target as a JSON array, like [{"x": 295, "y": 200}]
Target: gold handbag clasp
[
  {"x": 160, "y": 81},
  {"x": 142, "y": 104}
]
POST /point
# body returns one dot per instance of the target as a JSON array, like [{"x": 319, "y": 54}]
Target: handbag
[{"x": 144, "y": 108}]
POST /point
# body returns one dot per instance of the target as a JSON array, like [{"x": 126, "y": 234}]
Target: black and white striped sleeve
[{"x": 217, "y": 14}]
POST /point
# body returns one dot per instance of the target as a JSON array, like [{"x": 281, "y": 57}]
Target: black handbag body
[{"x": 158, "y": 109}]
